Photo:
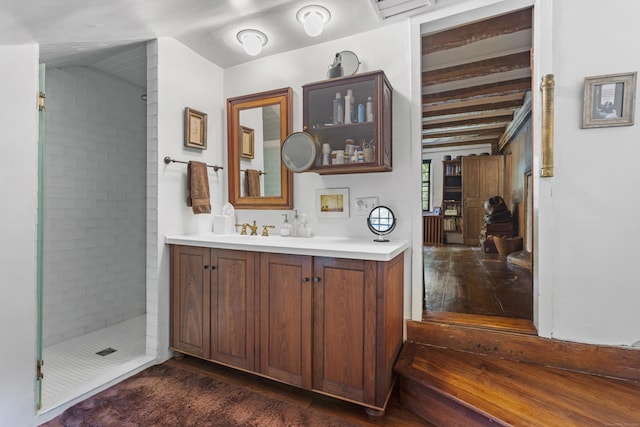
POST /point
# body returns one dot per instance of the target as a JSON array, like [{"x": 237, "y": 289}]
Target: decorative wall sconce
[
  {"x": 547, "y": 86},
  {"x": 313, "y": 19},
  {"x": 252, "y": 41}
]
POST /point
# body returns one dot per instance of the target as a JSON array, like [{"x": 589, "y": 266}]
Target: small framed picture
[
  {"x": 609, "y": 100},
  {"x": 332, "y": 202},
  {"x": 246, "y": 142},
  {"x": 195, "y": 129}
]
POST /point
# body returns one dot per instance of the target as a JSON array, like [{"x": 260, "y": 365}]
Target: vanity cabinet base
[{"x": 330, "y": 325}]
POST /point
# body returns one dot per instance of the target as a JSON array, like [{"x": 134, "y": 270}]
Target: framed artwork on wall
[
  {"x": 609, "y": 100},
  {"x": 195, "y": 129},
  {"x": 332, "y": 203},
  {"x": 246, "y": 142}
]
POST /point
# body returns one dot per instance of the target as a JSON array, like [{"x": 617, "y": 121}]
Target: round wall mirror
[
  {"x": 299, "y": 151},
  {"x": 381, "y": 221}
]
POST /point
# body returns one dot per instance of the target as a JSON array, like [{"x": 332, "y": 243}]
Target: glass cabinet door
[{"x": 350, "y": 120}]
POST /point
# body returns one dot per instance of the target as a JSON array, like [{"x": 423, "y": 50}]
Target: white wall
[
  {"x": 595, "y": 226},
  {"x": 183, "y": 79},
  {"x": 95, "y": 202},
  {"x": 19, "y": 187},
  {"x": 384, "y": 49}
]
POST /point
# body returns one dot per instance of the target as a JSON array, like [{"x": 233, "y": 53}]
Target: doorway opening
[
  {"x": 477, "y": 135},
  {"x": 92, "y": 295}
]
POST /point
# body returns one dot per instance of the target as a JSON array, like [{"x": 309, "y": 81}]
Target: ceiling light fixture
[
  {"x": 313, "y": 19},
  {"x": 252, "y": 41}
]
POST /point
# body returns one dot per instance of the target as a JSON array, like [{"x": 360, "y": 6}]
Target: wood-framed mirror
[{"x": 257, "y": 125}]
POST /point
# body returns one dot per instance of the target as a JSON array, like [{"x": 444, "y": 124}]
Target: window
[{"x": 426, "y": 184}]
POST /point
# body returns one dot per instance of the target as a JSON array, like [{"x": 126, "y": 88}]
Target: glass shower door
[{"x": 40, "y": 234}]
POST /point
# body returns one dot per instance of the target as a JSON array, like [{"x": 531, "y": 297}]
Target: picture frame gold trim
[
  {"x": 246, "y": 142},
  {"x": 195, "y": 129},
  {"x": 609, "y": 100}
]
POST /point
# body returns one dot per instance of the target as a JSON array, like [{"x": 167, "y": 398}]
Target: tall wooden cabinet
[
  {"x": 331, "y": 325},
  {"x": 482, "y": 179}
]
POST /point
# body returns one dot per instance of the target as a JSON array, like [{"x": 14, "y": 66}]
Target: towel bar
[
  {"x": 261, "y": 173},
  {"x": 168, "y": 160}
]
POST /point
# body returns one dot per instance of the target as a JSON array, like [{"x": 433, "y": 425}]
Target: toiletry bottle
[
  {"x": 369, "y": 109},
  {"x": 285, "y": 228},
  {"x": 295, "y": 223},
  {"x": 349, "y": 104},
  {"x": 360, "y": 113},
  {"x": 304, "y": 229},
  {"x": 338, "y": 109}
]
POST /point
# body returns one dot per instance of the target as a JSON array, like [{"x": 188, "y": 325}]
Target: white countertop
[{"x": 329, "y": 246}]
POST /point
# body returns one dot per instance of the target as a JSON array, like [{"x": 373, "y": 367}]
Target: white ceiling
[{"x": 86, "y": 32}]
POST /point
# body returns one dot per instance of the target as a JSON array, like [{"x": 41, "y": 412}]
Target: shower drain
[{"x": 105, "y": 352}]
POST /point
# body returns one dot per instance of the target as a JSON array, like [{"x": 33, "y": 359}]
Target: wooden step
[
  {"x": 608, "y": 361},
  {"x": 449, "y": 387}
]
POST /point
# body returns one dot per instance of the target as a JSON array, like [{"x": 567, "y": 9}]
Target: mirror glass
[
  {"x": 350, "y": 62},
  {"x": 299, "y": 151},
  {"x": 257, "y": 126},
  {"x": 381, "y": 221}
]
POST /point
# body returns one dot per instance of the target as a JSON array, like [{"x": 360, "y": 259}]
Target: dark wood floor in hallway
[{"x": 463, "y": 279}]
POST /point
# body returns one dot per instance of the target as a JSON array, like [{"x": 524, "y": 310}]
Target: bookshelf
[{"x": 452, "y": 200}]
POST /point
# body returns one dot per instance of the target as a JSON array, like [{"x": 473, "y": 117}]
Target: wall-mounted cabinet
[{"x": 350, "y": 139}]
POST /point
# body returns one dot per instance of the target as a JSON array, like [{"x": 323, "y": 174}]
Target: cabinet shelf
[{"x": 372, "y": 137}]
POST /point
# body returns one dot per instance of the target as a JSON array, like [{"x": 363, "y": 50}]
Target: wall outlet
[{"x": 365, "y": 204}]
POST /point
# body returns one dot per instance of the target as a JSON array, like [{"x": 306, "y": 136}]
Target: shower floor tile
[{"x": 72, "y": 368}]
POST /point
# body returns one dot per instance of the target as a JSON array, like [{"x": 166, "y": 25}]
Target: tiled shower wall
[{"x": 95, "y": 202}]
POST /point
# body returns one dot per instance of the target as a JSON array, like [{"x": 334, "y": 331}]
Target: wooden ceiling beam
[
  {"x": 481, "y": 30},
  {"x": 468, "y": 120},
  {"x": 499, "y": 88},
  {"x": 480, "y": 68},
  {"x": 494, "y": 143},
  {"x": 481, "y": 104},
  {"x": 466, "y": 139},
  {"x": 494, "y": 129}
]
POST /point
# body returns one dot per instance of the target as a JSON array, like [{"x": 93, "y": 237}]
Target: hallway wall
[{"x": 95, "y": 202}]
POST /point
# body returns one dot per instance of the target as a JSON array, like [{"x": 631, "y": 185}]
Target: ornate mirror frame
[{"x": 282, "y": 97}]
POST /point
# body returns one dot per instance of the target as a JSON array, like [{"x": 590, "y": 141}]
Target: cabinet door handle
[
  {"x": 305, "y": 279},
  {"x": 213, "y": 267},
  {"x": 206, "y": 267},
  {"x": 316, "y": 279}
]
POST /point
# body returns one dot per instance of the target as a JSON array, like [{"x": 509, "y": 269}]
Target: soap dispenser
[{"x": 285, "y": 228}]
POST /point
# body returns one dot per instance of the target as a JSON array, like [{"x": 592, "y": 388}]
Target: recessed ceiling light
[
  {"x": 313, "y": 18},
  {"x": 252, "y": 41}
]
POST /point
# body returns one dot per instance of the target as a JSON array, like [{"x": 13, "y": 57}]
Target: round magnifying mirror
[
  {"x": 299, "y": 151},
  {"x": 350, "y": 62},
  {"x": 381, "y": 221}
]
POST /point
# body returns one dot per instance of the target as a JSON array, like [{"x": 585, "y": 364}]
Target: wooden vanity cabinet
[
  {"x": 212, "y": 304},
  {"x": 286, "y": 318},
  {"x": 331, "y": 325}
]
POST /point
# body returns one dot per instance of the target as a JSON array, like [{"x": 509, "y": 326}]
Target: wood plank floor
[
  {"x": 514, "y": 393},
  {"x": 463, "y": 279}
]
